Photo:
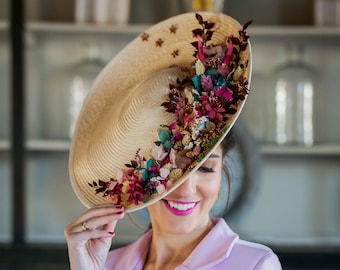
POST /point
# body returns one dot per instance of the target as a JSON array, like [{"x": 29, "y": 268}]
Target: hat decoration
[{"x": 202, "y": 103}]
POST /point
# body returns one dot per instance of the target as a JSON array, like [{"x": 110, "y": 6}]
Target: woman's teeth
[{"x": 181, "y": 206}]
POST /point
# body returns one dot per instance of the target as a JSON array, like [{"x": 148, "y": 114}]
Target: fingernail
[
  {"x": 119, "y": 206},
  {"x": 112, "y": 233},
  {"x": 120, "y": 212}
]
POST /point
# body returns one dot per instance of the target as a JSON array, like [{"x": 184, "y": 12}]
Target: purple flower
[{"x": 206, "y": 83}]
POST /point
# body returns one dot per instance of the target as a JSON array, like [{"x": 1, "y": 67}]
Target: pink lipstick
[{"x": 178, "y": 208}]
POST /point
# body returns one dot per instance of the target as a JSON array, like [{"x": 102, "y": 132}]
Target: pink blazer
[{"x": 220, "y": 249}]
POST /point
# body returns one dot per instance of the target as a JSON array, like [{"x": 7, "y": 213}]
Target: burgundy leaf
[
  {"x": 134, "y": 163},
  {"x": 102, "y": 183},
  {"x": 198, "y": 32},
  {"x": 195, "y": 44},
  {"x": 243, "y": 46},
  {"x": 209, "y": 35},
  {"x": 99, "y": 190},
  {"x": 245, "y": 26},
  {"x": 209, "y": 25},
  {"x": 231, "y": 110},
  {"x": 235, "y": 40},
  {"x": 199, "y": 18}
]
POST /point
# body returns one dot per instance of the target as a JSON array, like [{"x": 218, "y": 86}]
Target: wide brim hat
[{"x": 159, "y": 108}]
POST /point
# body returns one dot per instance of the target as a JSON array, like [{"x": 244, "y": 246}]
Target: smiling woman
[
  {"x": 157, "y": 140},
  {"x": 173, "y": 214},
  {"x": 240, "y": 178}
]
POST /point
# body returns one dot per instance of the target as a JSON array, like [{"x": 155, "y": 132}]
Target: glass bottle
[
  {"x": 202, "y": 5},
  {"x": 294, "y": 90},
  {"x": 111, "y": 11},
  {"x": 68, "y": 88},
  {"x": 82, "y": 77}
]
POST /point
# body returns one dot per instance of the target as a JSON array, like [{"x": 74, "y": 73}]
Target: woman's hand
[{"x": 89, "y": 237}]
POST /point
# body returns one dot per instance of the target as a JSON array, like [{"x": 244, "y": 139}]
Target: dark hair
[{"x": 227, "y": 145}]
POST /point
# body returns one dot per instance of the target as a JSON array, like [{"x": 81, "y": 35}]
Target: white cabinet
[
  {"x": 297, "y": 190},
  {"x": 296, "y": 201}
]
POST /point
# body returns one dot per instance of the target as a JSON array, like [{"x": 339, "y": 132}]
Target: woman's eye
[{"x": 206, "y": 169}]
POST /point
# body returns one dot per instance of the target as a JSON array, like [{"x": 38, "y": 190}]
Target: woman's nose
[{"x": 187, "y": 188}]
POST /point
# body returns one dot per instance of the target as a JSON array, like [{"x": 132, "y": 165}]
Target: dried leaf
[
  {"x": 134, "y": 163},
  {"x": 245, "y": 26},
  {"x": 208, "y": 25},
  {"x": 198, "y": 32},
  {"x": 195, "y": 44},
  {"x": 199, "y": 18},
  {"x": 209, "y": 35},
  {"x": 231, "y": 111},
  {"x": 99, "y": 190},
  {"x": 235, "y": 41},
  {"x": 102, "y": 183},
  {"x": 243, "y": 46}
]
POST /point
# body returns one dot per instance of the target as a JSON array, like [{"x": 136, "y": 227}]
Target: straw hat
[{"x": 159, "y": 109}]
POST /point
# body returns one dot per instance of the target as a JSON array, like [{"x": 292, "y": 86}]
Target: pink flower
[
  {"x": 119, "y": 176},
  {"x": 223, "y": 70},
  {"x": 179, "y": 136},
  {"x": 212, "y": 109},
  {"x": 229, "y": 52},
  {"x": 174, "y": 126},
  {"x": 158, "y": 153},
  {"x": 224, "y": 92},
  {"x": 189, "y": 119},
  {"x": 114, "y": 191},
  {"x": 136, "y": 192},
  {"x": 164, "y": 173},
  {"x": 206, "y": 83},
  {"x": 160, "y": 189},
  {"x": 197, "y": 150}
]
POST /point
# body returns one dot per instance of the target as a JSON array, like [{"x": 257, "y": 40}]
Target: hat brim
[{"x": 122, "y": 114}]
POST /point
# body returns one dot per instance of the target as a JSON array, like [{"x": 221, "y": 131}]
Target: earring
[{"x": 218, "y": 196}]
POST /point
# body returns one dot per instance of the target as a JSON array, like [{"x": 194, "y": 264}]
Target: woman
[
  {"x": 158, "y": 141},
  {"x": 183, "y": 235}
]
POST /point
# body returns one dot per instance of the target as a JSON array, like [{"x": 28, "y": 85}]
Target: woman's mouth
[{"x": 180, "y": 208}]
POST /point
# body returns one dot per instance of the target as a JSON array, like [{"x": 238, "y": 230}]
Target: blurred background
[{"x": 286, "y": 190}]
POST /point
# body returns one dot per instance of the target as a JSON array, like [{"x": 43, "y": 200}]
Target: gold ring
[{"x": 84, "y": 226}]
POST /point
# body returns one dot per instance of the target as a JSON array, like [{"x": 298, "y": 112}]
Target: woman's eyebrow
[{"x": 214, "y": 156}]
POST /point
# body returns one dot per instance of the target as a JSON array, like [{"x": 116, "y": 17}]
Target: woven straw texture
[{"x": 123, "y": 111}]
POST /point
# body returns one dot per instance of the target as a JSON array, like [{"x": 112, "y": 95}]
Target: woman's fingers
[
  {"x": 83, "y": 236},
  {"x": 110, "y": 227},
  {"x": 100, "y": 210},
  {"x": 104, "y": 216},
  {"x": 98, "y": 221}
]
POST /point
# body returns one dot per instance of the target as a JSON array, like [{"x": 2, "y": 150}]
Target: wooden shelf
[
  {"x": 42, "y": 27},
  {"x": 316, "y": 150},
  {"x": 267, "y": 31},
  {"x": 64, "y": 145},
  {"x": 294, "y": 31},
  {"x": 48, "y": 145}
]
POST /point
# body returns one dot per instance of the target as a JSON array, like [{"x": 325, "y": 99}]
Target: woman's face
[{"x": 188, "y": 206}]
